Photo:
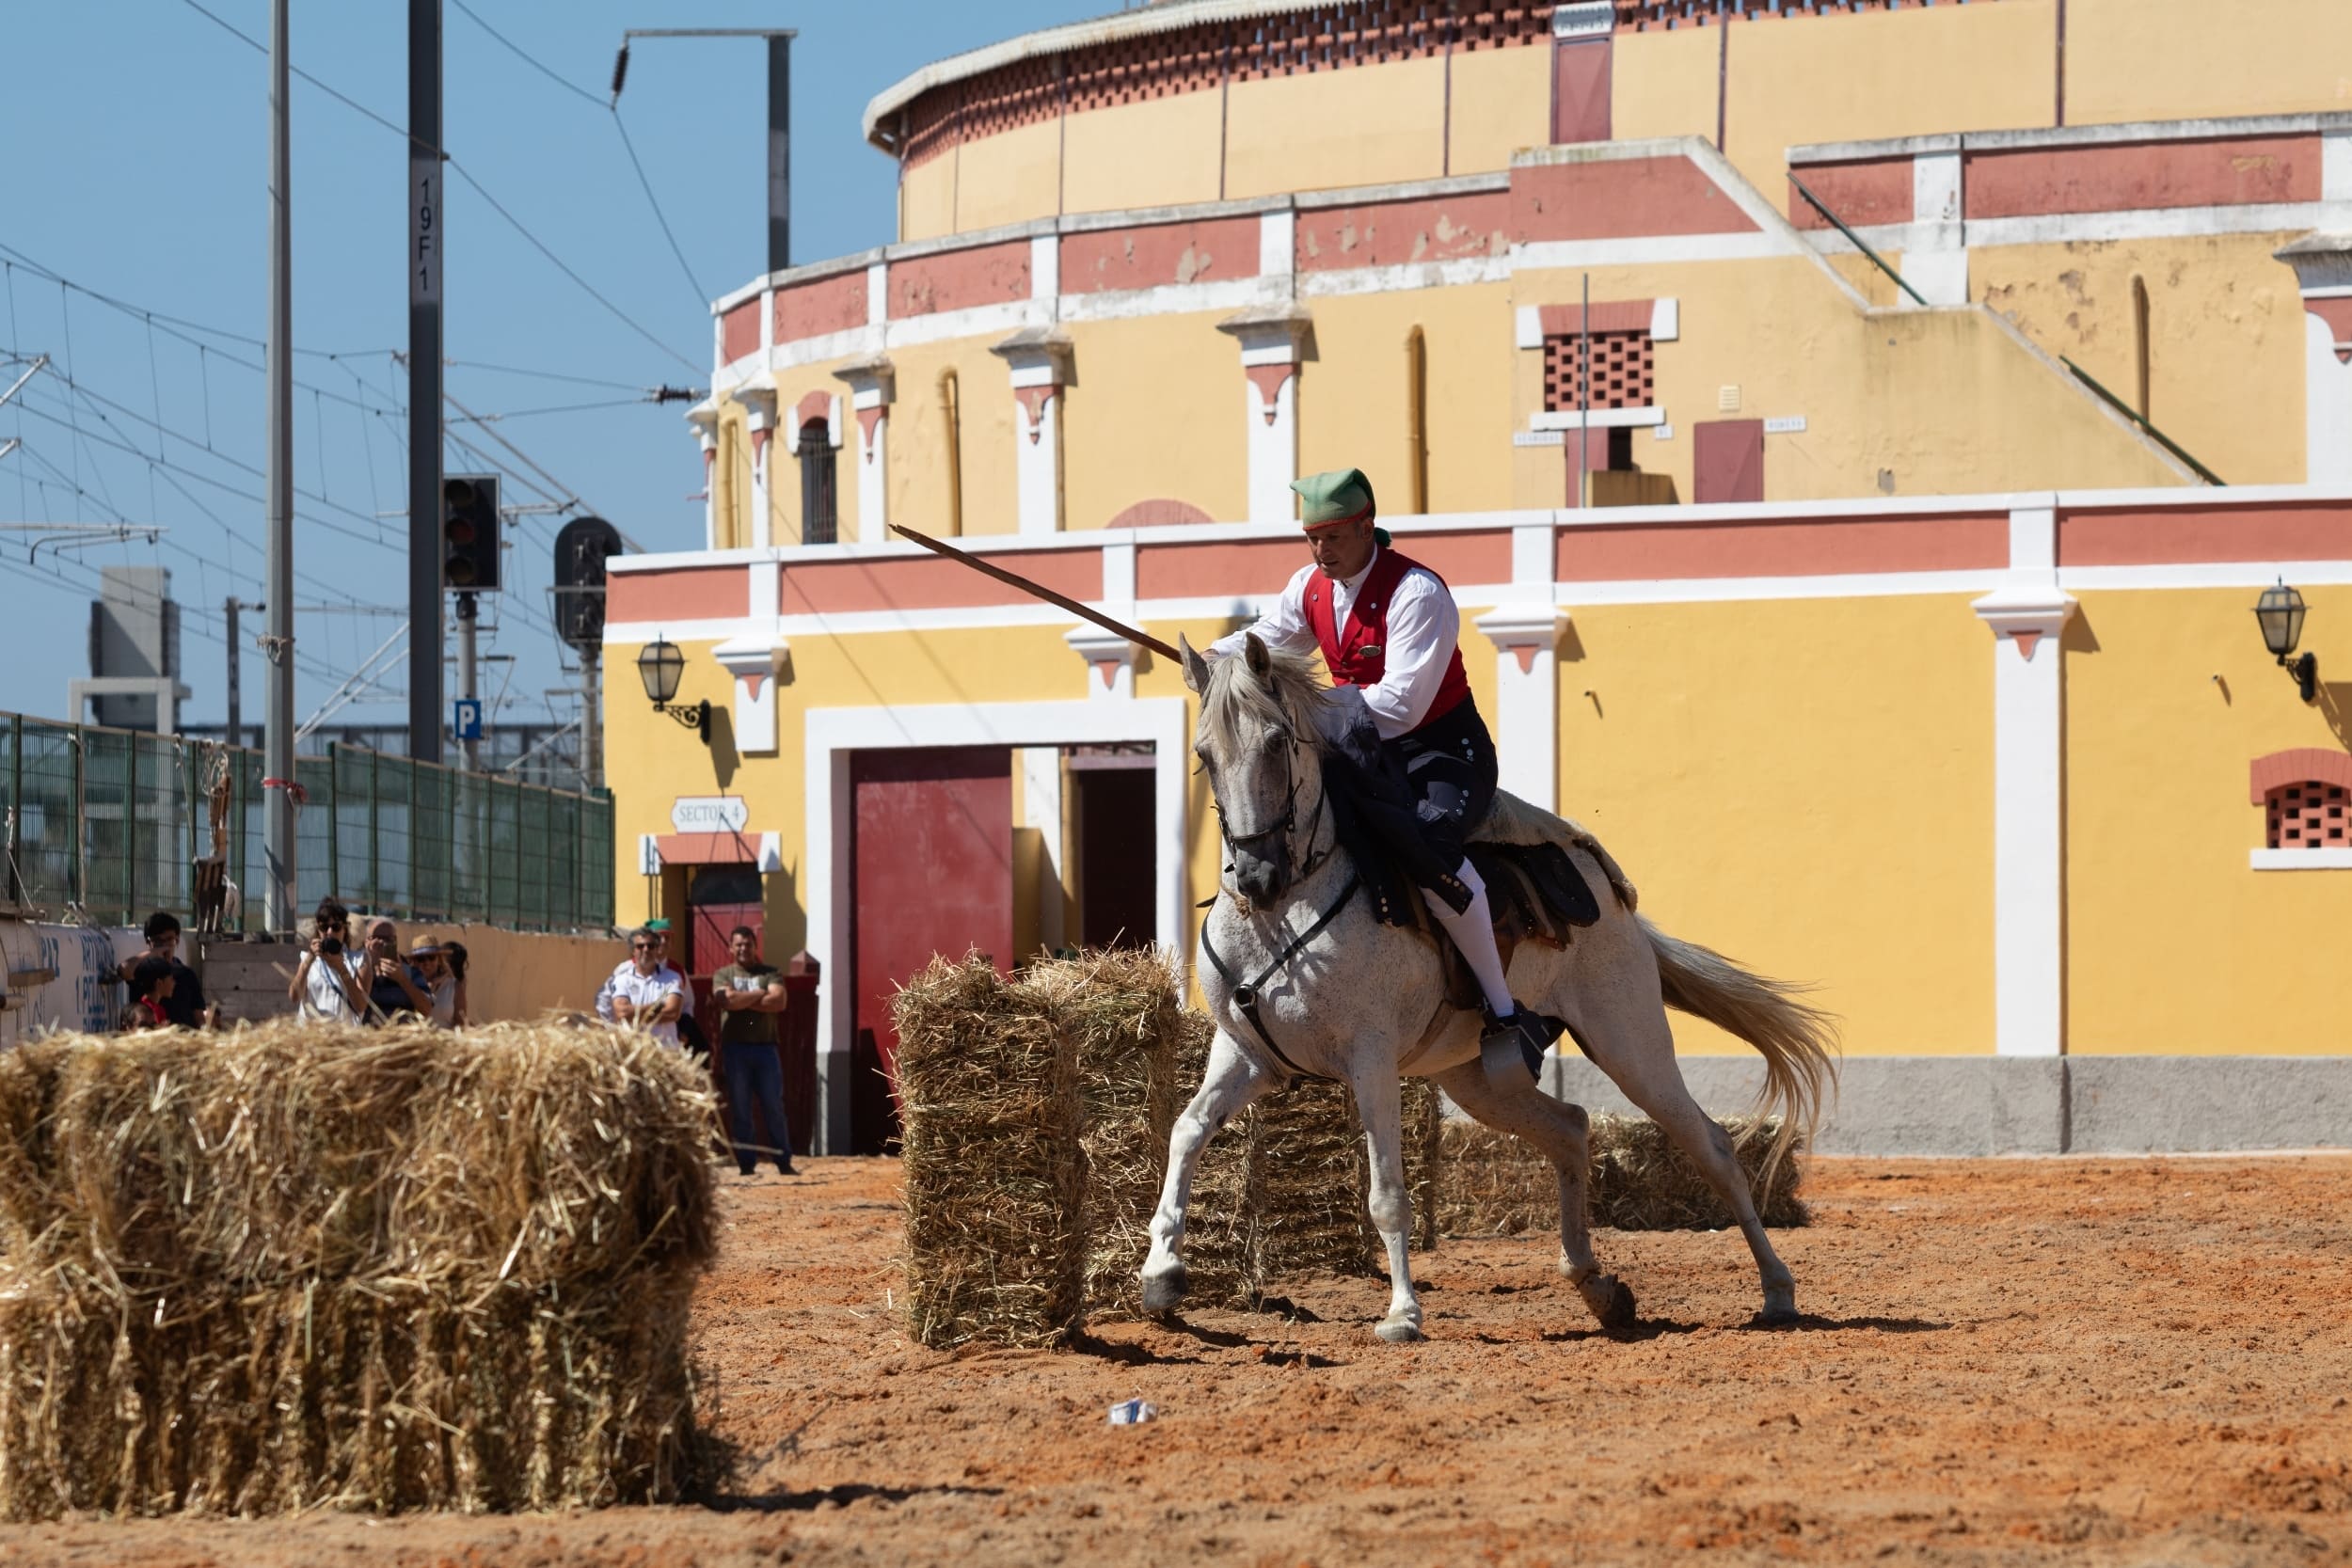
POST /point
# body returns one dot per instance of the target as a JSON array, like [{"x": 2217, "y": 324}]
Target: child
[{"x": 151, "y": 988}]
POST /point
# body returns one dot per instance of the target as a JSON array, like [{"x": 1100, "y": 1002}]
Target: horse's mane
[{"x": 1292, "y": 695}]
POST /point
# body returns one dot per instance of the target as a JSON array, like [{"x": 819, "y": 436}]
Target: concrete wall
[{"x": 1989, "y": 1106}]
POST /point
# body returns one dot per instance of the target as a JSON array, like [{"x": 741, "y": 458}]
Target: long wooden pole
[{"x": 1012, "y": 579}]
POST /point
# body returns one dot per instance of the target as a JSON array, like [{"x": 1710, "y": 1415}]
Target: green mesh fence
[{"x": 109, "y": 823}]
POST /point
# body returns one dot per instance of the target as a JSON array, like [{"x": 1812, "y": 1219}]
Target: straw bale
[
  {"x": 305, "y": 1265},
  {"x": 1120, "y": 1018},
  {"x": 1492, "y": 1184},
  {"x": 1219, "y": 1218},
  {"x": 995, "y": 1244},
  {"x": 1310, "y": 1183}
]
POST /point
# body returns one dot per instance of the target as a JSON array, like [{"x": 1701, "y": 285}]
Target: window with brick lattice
[
  {"x": 2309, "y": 816},
  {"x": 1622, "y": 372}
]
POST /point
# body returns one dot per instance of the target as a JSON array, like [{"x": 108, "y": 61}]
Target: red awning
[{"x": 707, "y": 848}]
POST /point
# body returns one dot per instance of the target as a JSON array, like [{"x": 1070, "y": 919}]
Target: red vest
[{"x": 1356, "y": 655}]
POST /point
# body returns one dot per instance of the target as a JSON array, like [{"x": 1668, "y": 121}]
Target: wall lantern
[
  {"x": 2280, "y": 612},
  {"x": 658, "y": 665}
]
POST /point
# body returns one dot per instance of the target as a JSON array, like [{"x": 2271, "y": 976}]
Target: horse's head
[{"x": 1257, "y": 742}]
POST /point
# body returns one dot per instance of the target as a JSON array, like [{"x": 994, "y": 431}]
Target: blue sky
[{"x": 137, "y": 168}]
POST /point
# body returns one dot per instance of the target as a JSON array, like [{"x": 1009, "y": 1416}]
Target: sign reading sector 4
[
  {"x": 465, "y": 718},
  {"x": 710, "y": 814}
]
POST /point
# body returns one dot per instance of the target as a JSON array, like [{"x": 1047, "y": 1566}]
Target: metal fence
[{"x": 109, "y": 822}]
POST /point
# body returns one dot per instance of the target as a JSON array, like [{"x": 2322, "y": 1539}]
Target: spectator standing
[
  {"x": 648, "y": 993},
  {"x": 151, "y": 995},
  {"x": 326, "y": 985},
  {"x": 428, "y": 962},
  {"x": 750, "y": 995},
  {"x": 184, "y": 1003},
  {"x": 453, "y": 956},
  {"x": 394, "y": 986}
]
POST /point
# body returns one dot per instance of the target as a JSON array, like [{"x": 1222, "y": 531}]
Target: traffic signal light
[
  {"x": 470, "y": 534},
  {"x": 582, "y": 547}
]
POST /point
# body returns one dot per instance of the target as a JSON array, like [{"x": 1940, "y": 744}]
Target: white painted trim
[
  {"x": 2335, "y": 166},
  {"x": 832, "y": 735},
  {"x": 1527, "y": 323},
  {"x": 2149, "y": 222},
  {"x": 1597, "y": 418},
  {"x": 2326, "y": 406},
  {"x": 1046, "y": 267},
  {"x": 2300, "y": 860},
  {"x": 1936, "y": 188},
  {"x": 1402, "y": 276},
  {"x": 1277, "y": 241},
  {"x": 2216, "y": 574},
  {"x": 1175, "y": 300},
  {"x": 1570, "y": 254},
  {"x": 1272, "y": 450},
  {"x": 2122, "y": 132},
  {"x": 1041, "y": 809},
  {"x": 877, "y": 294},
  {"x": 1665, "y": 320},
  {"x": 1527, "y": 705}
]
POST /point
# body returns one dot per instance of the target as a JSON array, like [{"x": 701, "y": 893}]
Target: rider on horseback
[{"x": 1387, "y": 628}]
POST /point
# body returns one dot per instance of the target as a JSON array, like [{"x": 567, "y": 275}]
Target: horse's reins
[{"x": 1245, "y": 993}]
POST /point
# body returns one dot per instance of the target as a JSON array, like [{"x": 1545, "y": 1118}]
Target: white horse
[{"x": 1342, "y": 996}]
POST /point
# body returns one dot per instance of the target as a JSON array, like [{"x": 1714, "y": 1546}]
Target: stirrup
[{"x": 1533, "y": 1031}]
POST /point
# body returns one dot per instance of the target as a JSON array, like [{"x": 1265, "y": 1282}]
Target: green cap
[
  {"x": 1337, "y": 496},
  {"x": 657, "y": 924}
]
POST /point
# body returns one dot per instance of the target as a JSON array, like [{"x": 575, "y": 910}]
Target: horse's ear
[
  {"x": 1196, "y": 668},
  {"x": 1260, "y": 664}
]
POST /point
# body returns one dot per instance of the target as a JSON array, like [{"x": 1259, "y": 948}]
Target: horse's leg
[
  {"x": 1377, "y": 1107},
  {"x": 1509, "y": 1103},
  {"x": 1226, "y": 1090},
  {"x": 1626, "y": 1027}
]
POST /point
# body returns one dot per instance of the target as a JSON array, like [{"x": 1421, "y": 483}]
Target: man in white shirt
[
  {"x": 660, "y": 931},
  {"x": 327, "y": 987},
  {"x": 1387, "y": 627},
  {"x": 645, "y": 994}
]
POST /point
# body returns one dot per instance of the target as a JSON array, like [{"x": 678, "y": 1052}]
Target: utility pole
[
  {"x": 590, "y": 761},
  {"x": 779, "y": 118},
  {"x": 427, "y": 251},
  {"x": 278, "y": 786},
  {"x": 234, "y": 729},
  {"x": 470, "y": 749}
]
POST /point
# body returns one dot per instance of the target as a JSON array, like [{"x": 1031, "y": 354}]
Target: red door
[
  {"x": 718, "y": 900},
  {"x": 931, "y": 870},
  {"x": 1727, "y": 461},
  {"x": 1579, "y": 90}
]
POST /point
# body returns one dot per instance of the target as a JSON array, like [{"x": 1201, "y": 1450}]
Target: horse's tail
[{"x": 1795, "y": 1038}]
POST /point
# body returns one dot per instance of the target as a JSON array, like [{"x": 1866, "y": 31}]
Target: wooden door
[
  {"x": 1116, "y": 823},
  {"x": 931, "y": 872},
  {"x": 1727, "y": 461}
]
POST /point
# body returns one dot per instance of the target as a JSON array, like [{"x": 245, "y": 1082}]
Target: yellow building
[{"x": 1756, "y": 372}]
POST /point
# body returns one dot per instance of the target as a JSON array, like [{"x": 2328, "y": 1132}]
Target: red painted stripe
[
  {"x": 2171, "y": 537},
  {"x": 685, "y": 593},
  {"x": 738, "y": 331},
  {"x": 1209, "y": 568},
  {"x": 1826, "y": 547},
  {"x": 1159, "y": 255},
  {"x": 2232, "y": 172},
  {"x": 959, "y": 280},
  {"x": 1394, "y": 234},
  {"x": 1620, "y": 198},
  {"x": 834, "y": 304},
  {"x": 1863, "y": 194},
  {"x": 927, "y": 582}
]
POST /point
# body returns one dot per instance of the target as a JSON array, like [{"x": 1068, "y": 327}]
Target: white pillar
[
  {"x": 2323, "y": 267},
  {"x": 703, "y": 417},
  {"x": 1039, "y": 360},
  {"x": 1527, "y": 698},
  {"x": 2027, "y": 616},
  {"x": 759, "y": 419},
  {"x": 1937, "y": 264},
  {"x": 873, "y": 387},
  {"x": 1273, "y": 343},
  {"x": 1040, "y": 808}
]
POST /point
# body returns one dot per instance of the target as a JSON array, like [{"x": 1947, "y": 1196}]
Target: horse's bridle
[
  {"x": 1289, "y": 819},
  {"x": 1244, "y": 992}
]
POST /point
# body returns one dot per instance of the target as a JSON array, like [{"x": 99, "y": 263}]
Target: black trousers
[{"x": 1450, "y": 771}]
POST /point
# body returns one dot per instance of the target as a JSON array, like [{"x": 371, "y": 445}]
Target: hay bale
[
  {"x": 1493, "y": 1184},
  {"x": 303, "y": 1265},
  {"x": 1218, "y": 1220},
  {"x": 995, "y": 1246},
  {"x": 1309, "y": 1182},
  {"x": 1121, "y": 1019}
]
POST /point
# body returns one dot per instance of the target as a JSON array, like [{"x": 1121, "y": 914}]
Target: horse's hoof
[
  {"x": 1399, "y": 1331},
  {"x": 1783, "y": 1316},
  {"x": 1611, "y": 1300},
  {"x": 1164, "y": 1292}
]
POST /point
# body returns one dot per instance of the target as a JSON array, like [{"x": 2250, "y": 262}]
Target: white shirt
[
  {"x": 1423, "y": 627},
  {"x": 323, "y": 995},
  {"x": 645, "y": 992},
  {"x": 605, "y": 991}
]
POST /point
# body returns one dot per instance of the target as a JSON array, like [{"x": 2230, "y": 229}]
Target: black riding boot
[{"x": 1529, "y": 1031}]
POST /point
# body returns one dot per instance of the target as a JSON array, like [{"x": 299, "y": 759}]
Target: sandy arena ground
[{"x": 2094, "y": 1361}]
